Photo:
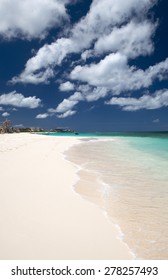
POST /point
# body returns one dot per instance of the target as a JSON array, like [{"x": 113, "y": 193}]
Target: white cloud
[
  {"x": 114, "y": 74},
  {"x": 65, "y": 106},
  {"x": 106, "y": 73},
  {"x": 132, "y": 40},
  {"x": 67, "y": 114},
  {"x": 86, "y": 93},
  {"x": 118, "y": 29},
  {"x": 150, "y": 102},
  {"x": 28, "y": 77},
  {"x": 64, "y": 109},
  {"x": 90, "y": 94},
  {"x": 42, "y": 116},
  {"x": 38, "y": 69},
  {"x": 17, "y": 99},
  {"x": 5, "y": 114},
  {"x": 30, "y": 18},
  {"x": 77, "y": 96},
  {"x": 86, "y": 54},
  {"x": 67, "y": 86},
  {"x": 102, "y": 17},
  {"x": 1, "y": 109}
]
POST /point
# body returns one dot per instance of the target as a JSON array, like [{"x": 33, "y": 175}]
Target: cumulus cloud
[
  {"x": 132, "y": 40},
  {"x": 66, "y": 105},
  {"x": 106, "y": 73},
  {"x": 42, "y": 116},
  {"x": 5, "y": 114},
  {"x": 86, "y": 54},
  {"x": 65, "y": 108},
  {"x": 115, "y": 32},
  {"x": 102, "y": 18},
  {"x": 17, "y": 99},
  {"x": 29, "y": 18},
  {"x": 157, "y": 100},
  {"x": 86, "y": 93},
  {"x": 39, "y": 69},
  {"x": 77, "y": 96},
  {"x": 28, "y": 77},
  {"x": 67, "y": 114},
  {"x": 90, "y": 94},
  {"x": 67, "y": 86},
  {"x": 114, "y": 73},
  {"x": 106, "y": 14}
]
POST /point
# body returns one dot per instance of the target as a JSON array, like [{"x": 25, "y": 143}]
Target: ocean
[{"x": 126, "y": 174}]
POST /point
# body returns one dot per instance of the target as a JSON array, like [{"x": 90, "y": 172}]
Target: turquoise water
[
  {"x": 133, "y": 174},
  {"x": 108, "y": 134},
  {"x": 157, "y": 146}
]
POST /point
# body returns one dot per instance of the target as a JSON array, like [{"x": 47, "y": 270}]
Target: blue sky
[{"x": 90, "y": 65}]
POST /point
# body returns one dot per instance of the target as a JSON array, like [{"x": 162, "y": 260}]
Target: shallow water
[{"x": 132, "y": 173}]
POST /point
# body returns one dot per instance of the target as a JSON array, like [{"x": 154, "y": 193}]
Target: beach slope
[{"x": 41, "y": 215}]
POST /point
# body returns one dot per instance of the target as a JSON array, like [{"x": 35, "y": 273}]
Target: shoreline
[
  {"x": 93, "y": 194},
  {"x": 42, "y": 217},
  {"x": 127, "y": 190}
]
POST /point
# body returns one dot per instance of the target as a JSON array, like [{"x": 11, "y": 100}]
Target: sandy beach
[{"x": 41, "y": 215}]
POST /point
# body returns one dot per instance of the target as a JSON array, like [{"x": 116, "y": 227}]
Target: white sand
[{"x": 41, "y": 217}]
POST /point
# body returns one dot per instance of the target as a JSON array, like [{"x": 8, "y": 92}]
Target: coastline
[
  {"x": 90, "y": 185},
  {"x": 126, "y": 178},
  {"x": 42, "y": 217}
]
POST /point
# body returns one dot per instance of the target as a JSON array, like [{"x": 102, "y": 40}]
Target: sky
[{"x": 88, "y": 65}]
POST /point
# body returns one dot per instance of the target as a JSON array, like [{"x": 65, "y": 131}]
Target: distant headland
[{"x": 6, "y": 127}]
